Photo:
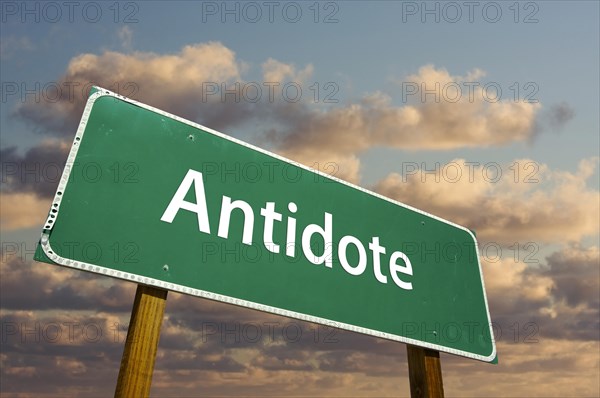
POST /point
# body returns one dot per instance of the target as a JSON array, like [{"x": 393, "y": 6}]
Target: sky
[{"x": 483, "y": 113}]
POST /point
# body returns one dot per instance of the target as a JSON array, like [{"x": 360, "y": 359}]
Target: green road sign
[{"x": 155, "y": 199}]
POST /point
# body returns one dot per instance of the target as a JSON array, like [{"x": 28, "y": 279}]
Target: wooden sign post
[
  {"x": 137, "y": 363},
  {"x": 424, "y": 372}
]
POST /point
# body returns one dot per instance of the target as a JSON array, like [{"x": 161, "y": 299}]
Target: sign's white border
[{"x": 55, "y": 207}]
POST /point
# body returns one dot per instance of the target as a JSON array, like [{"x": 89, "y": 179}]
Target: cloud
[
  {"x": 557, "y": 116},
  {"x": 516, "y": 291},
  {"x": 555, "y": 299},
  {"x": 172, "y": 82},
  {"x": 576, "y": 274},
  {"x": 125, "y": 35},
  {"x": 203, "y": 82},
  {"x": 548, "y": 368},
  {"x": 276, "y": 71},
  {"x": 29, "y": 181},
  {"x": 11, "y": 45},
  {"x": 22, "y": 210},
  {"x": 541, "y": 205},
  {"x": 35, "y": 344},
  {"x": 338, "y": 134},
  {"x": 52, "y": 287},
  {"x": 37, "y": 171}
]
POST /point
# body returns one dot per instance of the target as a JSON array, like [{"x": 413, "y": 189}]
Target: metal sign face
[{"x": 155, "y": 199}]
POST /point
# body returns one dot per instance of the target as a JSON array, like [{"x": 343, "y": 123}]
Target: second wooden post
[{"x": 424, "y": 372}]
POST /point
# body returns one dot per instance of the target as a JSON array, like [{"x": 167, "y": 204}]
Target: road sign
[{"x": 152, "y": 198}]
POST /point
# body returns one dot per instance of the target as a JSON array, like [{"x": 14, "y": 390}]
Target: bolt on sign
[{"x": 152, "y": 198}]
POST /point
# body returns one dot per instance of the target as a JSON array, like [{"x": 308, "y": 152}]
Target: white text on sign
[{"x": 228, "y": 205}]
